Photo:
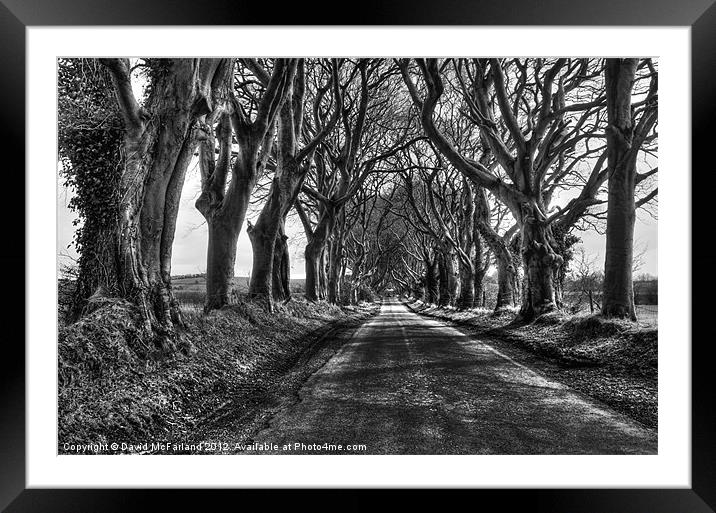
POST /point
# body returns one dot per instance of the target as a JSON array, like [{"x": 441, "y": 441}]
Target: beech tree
[
  {"x": 526, "y": 138},
  {"x": 229, "y": 178},
  {"x": 90, "y": 135},
  {"x": 417, "y": 175},
  {"x": 293, "y": 161},
  {"x": 629, "y": 127},
  {"x": 158, "y": 138},
  {"x": 501, "y": 247}
]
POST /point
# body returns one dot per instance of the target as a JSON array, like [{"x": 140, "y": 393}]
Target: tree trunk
[
  {"x": 263, "y": 237},
  {"x": 334, "y": 271},
  {"x": 270, "y": 274},
  {"x": 541, "y": 263},
  {"x": 281, "y": 266},
  {"x": 313, "y": 258},
  {"x": 467, "y": 287},
  {"x": 479, "y": 288},
  {"x": 221, "y": 257},
  {"x": 479, "y": 263},
  {"x": 443, "y": 287},
  {"x": 446, "y": 273},
  {"x": 227, "y": 209},
  {"x": 469, "y": 243},
  {"x": 618, "y": 286},
  {"x": 480, "y": 270},
  {"x": 322, "y": 275},
  {"x": 157, "y": 153},
  {"x": 94, "y": 176},
  {"x": 506, "y": 270},
  {"x": 263, "y": 243},
  {"x": 355, "y": 282},
  {"x": 332, "y": 282},
  {"x": 431, "y": 282},
  {"x": 225, "y": 214},
  {"x": 505, "y": 281}
]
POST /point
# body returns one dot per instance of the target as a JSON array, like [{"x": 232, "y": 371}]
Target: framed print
[{"x": 415, "y": 248}]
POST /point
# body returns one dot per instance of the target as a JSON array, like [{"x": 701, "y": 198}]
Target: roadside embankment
[{"x": 110, "y": 392}]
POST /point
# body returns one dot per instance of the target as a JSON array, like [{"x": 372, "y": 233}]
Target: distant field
[
  {"x": 648, "y": 315},
  {"x": 192, "y": 289}
]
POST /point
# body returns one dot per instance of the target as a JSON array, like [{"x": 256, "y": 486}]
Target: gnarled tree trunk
[
  {"x": 292, "y": 165},
  {"x": 505, "y": 281},
  {"x": 220, "y": 259},
  {"x": 225, "y": 211},
  {"x": 323, "y": 276},
  {"x": 160, "y": 139},
  {"x": 541, "y": 263},
  {"x": 431, "y": 281},
  {"x": 281, "y": 266},
  {"x": 95, "y": 175},
  {"x": 263, "y": 237},
  {"x": 467, "y": 236},
  {"x": 225, "y": 219},
  {"x": 467, "y": 287},
  {"x": 335, "y": 256},
  {"x": 316, "y": 279},
  {"x": 446, "y": 273},
  {"x": 313, "y": 261},
  {"x": 503, "y": 256},
  {"x": 480, "y": 270}
]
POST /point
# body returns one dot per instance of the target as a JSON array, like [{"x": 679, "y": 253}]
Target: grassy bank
[
  {"x": 611, "y": 360},
  {"x": 109, "y": 392}
]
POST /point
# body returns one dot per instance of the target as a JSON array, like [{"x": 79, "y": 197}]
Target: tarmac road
[{"x": 406, "y": 384}]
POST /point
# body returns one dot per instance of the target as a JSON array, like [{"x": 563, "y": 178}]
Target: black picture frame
[{"x": 700, "y": 15}]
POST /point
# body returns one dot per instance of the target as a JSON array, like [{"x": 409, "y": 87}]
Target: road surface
[{"x": 406, "y": 384}]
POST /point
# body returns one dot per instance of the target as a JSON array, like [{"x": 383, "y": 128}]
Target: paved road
[{"x": 405, "y": 384}]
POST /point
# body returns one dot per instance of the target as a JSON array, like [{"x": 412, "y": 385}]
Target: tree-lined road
[{"x": 405, "y": 384}]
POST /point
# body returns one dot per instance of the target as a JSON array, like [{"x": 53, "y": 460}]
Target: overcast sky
[{"x": 189, "y": 253}]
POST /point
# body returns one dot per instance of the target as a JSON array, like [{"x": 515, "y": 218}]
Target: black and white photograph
[{"x": 357, "y": 255}]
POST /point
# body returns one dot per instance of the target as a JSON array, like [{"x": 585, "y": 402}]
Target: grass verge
[{"x": 109, "y": 393}]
